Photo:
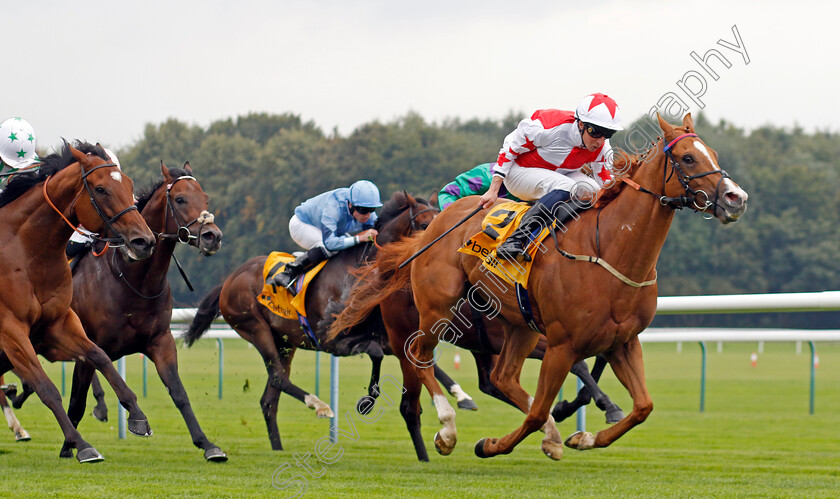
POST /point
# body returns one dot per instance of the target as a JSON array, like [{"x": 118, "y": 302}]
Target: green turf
[{"x": 756, "y": 437}]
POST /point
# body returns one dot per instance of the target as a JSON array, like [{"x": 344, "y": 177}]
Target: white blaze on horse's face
[
  {"x": 116, "y": 176},
  {"x": 734, "y": 198},
  {"x": 699, "y": 145}
]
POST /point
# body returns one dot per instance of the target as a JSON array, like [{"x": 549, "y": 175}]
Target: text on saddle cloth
[{"x": 495, "y": 228}]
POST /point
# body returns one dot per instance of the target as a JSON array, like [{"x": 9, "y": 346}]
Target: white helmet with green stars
[{"x": 17, "y": 143}]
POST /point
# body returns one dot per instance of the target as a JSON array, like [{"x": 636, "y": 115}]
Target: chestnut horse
[
  {"x": 584, "y": 309},
  {"x": 38, "y": 213},
  {"x": 277, "y": 338},
  {"x": 480, "y": 335}
]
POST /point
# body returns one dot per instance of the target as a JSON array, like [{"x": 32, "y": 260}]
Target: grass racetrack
[{"x": 756, "y": 437}]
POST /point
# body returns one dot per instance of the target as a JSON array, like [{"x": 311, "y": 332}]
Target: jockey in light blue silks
[{"x": 323, "y": 226}]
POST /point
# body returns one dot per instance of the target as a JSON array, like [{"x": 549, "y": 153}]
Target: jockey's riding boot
[
  {"x": 306, "y": 261},
  {"x": 553, "y": 207},
  {"x": 75, "y": 251}
]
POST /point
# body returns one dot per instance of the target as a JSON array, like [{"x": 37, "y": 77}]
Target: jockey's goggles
[
  {"x": 596, "y": 132},
  {"x": 364, "y": 210}
]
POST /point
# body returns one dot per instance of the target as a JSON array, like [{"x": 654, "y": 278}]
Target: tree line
[{"x": 257, "y": 168}]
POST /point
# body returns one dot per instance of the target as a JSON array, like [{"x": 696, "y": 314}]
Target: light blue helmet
[{"x": 365, "y": 194}]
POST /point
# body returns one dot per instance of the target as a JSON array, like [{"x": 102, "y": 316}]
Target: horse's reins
[
  {"x": 412, "y": 226},
  {"x": 119, "y": 241},
  {"x": 676, "y": 203}
]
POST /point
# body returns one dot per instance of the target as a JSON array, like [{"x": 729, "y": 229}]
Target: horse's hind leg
[
  {"x": 100, "y": 410},
  {"x": 464, "y": 401},
  {"x": 484, "y": 364},
  {"x": 14, "y": 425},
  {"x": 69, "y": 337},
  {"x": 163, "y": 354},
  {"x": 14, "y": 341},
  {"x": 626, "y": 363},
  {"x": 590, "y": 391}
]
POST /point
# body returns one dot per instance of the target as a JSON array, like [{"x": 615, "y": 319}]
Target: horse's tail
[
  {"x": 206, "y": 313},
  {"x": 376, "y": 281}
]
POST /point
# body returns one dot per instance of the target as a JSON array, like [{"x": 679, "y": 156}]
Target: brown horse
[
  {"x": 38, "y": 212},
  {"x": 277, "y": 338},
  {"x": 584, "y": 309},
  {"x": 14, "y": 425}
]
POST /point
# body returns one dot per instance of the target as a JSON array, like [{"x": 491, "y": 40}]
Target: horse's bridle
[
  {"x": 183, "y": 235},
  {"x": 118, "y": 240},
  {"x": 689, "y": 198},
  {"x": 413, "y": 217}
]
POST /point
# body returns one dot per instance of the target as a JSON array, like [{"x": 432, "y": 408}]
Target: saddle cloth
[
  {"x": 282, "y": 302},
  {"x": 495, "y": 228}
]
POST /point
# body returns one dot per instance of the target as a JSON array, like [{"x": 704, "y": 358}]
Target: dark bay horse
[
  {"x": 38, "y": 213},
  {"x": 126, "y": 306},
  {"x": 584, "y": 309},
  {"x": 277, "y": 338}
]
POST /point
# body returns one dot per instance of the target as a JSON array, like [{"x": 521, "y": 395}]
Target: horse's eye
[
  {"x": 687, "y": 159},
  {"x": 99, "y": 190},
  {"x": 180, "y": 200}
]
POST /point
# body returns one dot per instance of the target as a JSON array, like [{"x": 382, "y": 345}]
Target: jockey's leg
[{"x": 301, "y": 264}]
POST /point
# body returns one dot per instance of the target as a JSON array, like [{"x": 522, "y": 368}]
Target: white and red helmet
[
  {"x": 599, "y": 110},
  {"x": 17, "y": 143}
]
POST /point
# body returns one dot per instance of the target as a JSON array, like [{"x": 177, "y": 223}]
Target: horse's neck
[
  {"x": 152, "y": 271},
  {"x": 40, "y": 227},
  {"x": 634, "y": 225}
]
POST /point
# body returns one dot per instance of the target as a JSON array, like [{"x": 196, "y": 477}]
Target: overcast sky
[{"x": 102, "y": 70}]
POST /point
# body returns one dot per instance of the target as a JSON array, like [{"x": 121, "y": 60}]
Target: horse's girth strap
[{"x": 610, "y": 269}]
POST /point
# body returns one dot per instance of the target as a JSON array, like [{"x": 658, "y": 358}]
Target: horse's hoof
[
  {"x": 580, "y": 440},
  {"x": 140, "y": 427},
  {"x": 614, "y": 416},
  {"x": 89, "y": 455},
  {"x": 479, "y": 449},
  {"x": 443, "y": 451},
  {"x": 9, "y": 390},
  {"x": 553, "y": 450},
  {"x": 22, "y": 436},
  {"x": 561, "y": 411},
  {"x": 100, "y": 414},
  {"x": 467, "y": 405},
  {"x": 363, "y": 406},
  {"x": 66, "y": 452},
  {"x": 215, "y": 455}
]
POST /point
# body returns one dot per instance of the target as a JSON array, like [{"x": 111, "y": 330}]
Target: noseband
[{"x": 183, "y": 235}]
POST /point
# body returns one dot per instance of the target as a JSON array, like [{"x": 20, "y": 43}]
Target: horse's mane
[
  {"x": 50, "y": 164},
  {"x": 625, "y": 163},
  {"x": 393, "y": 207},
  {"x": 146, "y": 193}
]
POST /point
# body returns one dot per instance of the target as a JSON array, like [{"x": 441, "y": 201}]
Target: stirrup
[{"x": 504, "y": 252}]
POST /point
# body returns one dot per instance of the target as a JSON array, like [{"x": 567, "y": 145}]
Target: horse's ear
[
  {"x": 408, "y": 199},
  {"x": 164, "y": 170},
  {"x": 688, "y": 123},
  {"x": 666, "y": 127},
  {"x": 187, "y": 167},
  {"x": 77, "y": 154}
]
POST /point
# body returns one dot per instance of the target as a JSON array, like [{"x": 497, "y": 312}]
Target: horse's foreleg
[
  {"x": 82, "y": 373},
  {"x": 163, "y": 354},
  {"x": 626, "y": 362},
  {"x": 613, "y": 412},
  {"x": 410, "y": 406},
  {"x": 374, "y": 351},
  {"x": 556, "y": 364},
  {"x": 484, "y": 364},
  {"x": 100, "y": 410},
  {"x": 14, "y": 425},
  {"x": 69, "y": 337},
  {"x": 464, "y": 401},
  {"x": 14, "y": 341}
]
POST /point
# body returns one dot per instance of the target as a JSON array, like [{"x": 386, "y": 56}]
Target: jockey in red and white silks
[{"x": 543, "y": 158}]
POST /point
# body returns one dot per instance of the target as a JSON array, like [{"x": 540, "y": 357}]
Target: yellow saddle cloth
[
  {"x": 495, "y": 228},
  {"x": 282, "y": 302}
]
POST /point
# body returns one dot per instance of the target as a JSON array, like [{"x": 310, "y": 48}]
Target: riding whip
[{"x": 424, "y": 248}]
